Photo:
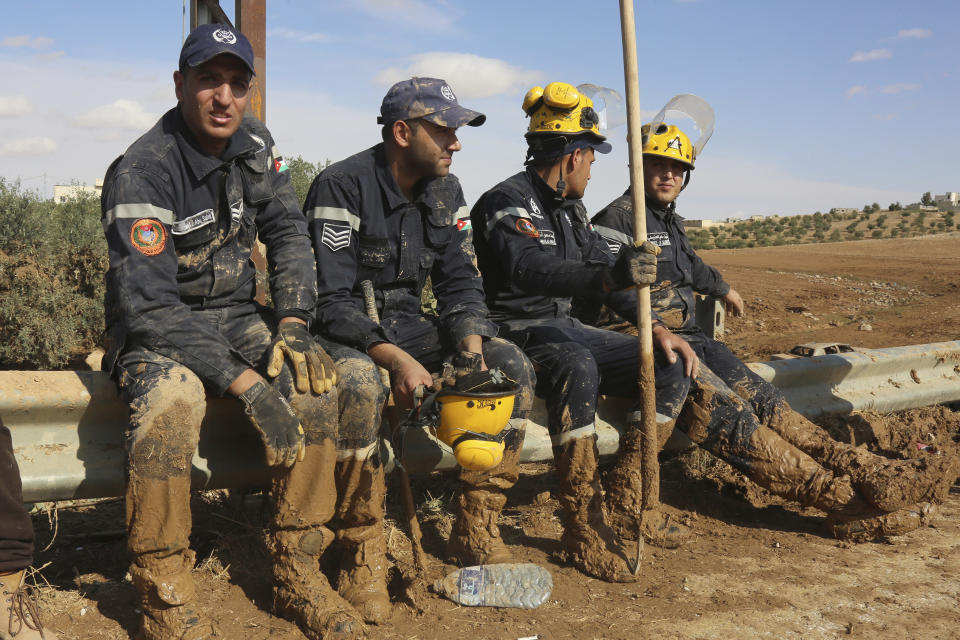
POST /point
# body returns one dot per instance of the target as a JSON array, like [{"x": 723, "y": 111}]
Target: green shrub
[{"x": 52, "y": 263}]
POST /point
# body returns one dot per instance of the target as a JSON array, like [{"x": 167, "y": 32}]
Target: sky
[{"x": 818, "y": 104}]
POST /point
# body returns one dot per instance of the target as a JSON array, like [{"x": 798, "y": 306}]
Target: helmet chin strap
[{"x": 561, "y": 184}]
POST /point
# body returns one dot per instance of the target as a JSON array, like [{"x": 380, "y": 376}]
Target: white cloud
[
  {"x": 899, "y": 87},
  {"x": 49, "y": 55},
  {"x": 873, "y": 54},
  {"x": 38, "y": 42},
  {"x": 28, "y": 147},
  {"x": 852, "y": 91},
  {"x": 120, "y": 114},
  {"x": 884, "y": 117},
  {"x": 298, "y": 36},
  {"x": 425, "y": 15},
  {"x": 14, "y": 106},
  {"x": 471, "y": 76},
  {"x": 914, "y": 33}
]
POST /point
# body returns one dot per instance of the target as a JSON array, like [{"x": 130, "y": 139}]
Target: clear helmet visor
[
  {"x": 609, "y": 105},
  {"x": 693, "y": 107}
]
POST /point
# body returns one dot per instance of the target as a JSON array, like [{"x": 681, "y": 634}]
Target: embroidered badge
[
  {"x": 547, "y": 238},
  {"x": 224, "y": 36},
  {"x": 533, "y": 208},
  {"x": 148, "y": 236},
  {"x": 447, "y": 93},
  {"x": 526, "y": 227},
  {"x": 335, "y": 236},
  {"x": 280, "y": 165},
  {"x": 464, "y": 224},
  {"x": 613, "y": 245},
  {"x": 194, "y": 222},
  {"x": 659, "y": 238}
]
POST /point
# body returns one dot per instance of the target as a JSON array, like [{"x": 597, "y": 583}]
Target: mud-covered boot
[
  {"x": 862, "y": 523},
  {"x": 168, "y": 599},
  {"x": 887, "y": 484},
  {"x": 359, "y": 523},
  {"x": 301, "y": 592},
  {"x": 475, "y": 537},
  {"x": 623, "y": 491},
  {"x": 305, "y": 498},
  {"x": 782, "y": 469},
  {"x": 20, "y": 611},
  {"x": 587, "y": 541}
]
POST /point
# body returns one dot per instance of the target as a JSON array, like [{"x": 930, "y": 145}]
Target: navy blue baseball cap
[
  {"x": 210, "y": 40},
  {"x": 431, "y": 99}
]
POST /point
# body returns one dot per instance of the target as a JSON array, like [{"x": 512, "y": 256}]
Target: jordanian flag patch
[
  {"x": 464, "y": 224},
  {"x": 280, "y": 165}
]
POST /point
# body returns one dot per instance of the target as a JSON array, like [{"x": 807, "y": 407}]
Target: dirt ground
[{"x": 756, "y": 566}]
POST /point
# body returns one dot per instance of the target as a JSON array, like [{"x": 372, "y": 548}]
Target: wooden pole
[{"x": 650, "y": 469}]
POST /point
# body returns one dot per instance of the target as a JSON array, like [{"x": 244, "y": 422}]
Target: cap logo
[
  {"x": 676, "y": 144},
  {"x": 447, "y": 93},
  {"x": 225, "y": 36}
]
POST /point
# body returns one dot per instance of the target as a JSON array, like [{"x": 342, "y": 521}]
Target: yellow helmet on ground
[
  {"x": 560, "y": 108},
  {"x": 471, "y": 418},
  {"x": 670, "y": 142}
]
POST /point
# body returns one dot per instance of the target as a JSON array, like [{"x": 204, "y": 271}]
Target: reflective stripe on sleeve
[
  {"x": 463, "y": 212},
  {"x": 335, "y": 213},
  {"x": 613, "y": 234},
  {"x": 137, "y": 211},
  {"x": 517, "y": 212}
]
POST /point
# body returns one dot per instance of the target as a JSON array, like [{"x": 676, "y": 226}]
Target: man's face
[
  {"x": 430, "y": 151},
  {"x": 213, "y": 97},
  {"x": 579, "y": 175},
  {"x": 662, "y": 178}
]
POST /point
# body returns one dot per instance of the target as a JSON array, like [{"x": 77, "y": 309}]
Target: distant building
[
  {"x": 846, "y": 210},
  {"x": 756, "y": 218},
  {"x": 701, "y": 224},
  {"x": 951, "y": 198},
  {"x": 732, "y": 220},
  {"x": 64, "y": 192}
]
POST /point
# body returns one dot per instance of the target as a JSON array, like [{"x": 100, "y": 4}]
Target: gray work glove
[
  {"x": 455, "y": 367},
  {"x": 310, "y": 363},
  {"x": 636, "y": 265},
  {"x": 277, "y": 424}
]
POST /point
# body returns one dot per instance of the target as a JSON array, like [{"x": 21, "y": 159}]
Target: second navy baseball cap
[
  {"x": 210, "y": 40},
  {"x": 431, "y": 99}
]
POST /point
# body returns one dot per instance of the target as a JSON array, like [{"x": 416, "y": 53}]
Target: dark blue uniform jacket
[
  {"x": 180, "y": 226},
  {"x": 364, "y": 228},
  {"x": 680, "y": 271},
  {"x": 537, "y": 251}
]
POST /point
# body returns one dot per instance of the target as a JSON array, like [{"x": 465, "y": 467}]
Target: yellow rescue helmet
[
  {"x": 559, "y": 108},
  {"x": 473, "y": 422},
  {"x": 670, "y": 142}
]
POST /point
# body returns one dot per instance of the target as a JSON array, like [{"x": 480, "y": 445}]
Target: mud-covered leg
[
  {"x": 887, "y": 484},
  {"x": 475, "y": 537},
  {"x": 167, "y": 403},
  {"x": 358, "y": 521},
  {"x": 723, "y": 423},
  {"x": 306, "y": 497},
  {"x": 587, "y": 541}
]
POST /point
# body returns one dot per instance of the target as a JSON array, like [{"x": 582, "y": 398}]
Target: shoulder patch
[
  {"x": 148, "y": 236},
  {"x": 526, "y": 227},
  {"x": 464, "y": 224},
  {"x": 335, "y": 236}
]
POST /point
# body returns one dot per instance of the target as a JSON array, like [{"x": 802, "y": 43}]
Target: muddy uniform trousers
[
  {"x": 167, "y": 405},
  {"x": 893, "y": 496},
  {"x": 475, "y": 537}
]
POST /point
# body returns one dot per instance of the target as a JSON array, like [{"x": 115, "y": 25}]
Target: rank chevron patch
[{"x": 335, "y": 236}]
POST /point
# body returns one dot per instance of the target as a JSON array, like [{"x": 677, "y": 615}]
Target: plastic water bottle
[{"x": 521, "y": 585}]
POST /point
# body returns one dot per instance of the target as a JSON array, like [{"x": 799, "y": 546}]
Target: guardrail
[{"x": 67, "y": 426}]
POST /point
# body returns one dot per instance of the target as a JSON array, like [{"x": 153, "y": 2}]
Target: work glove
[
  {"x": 309, "y": 361},
  {"x": 636, "y": 265},
  {"x": 276, "y": 423}
]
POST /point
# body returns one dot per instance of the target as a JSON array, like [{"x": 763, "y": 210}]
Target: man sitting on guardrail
[
  {"x": 19, "y": 608},
  {"x": 181, "y": 211},
  {"x": 735, "y": 412},
  {"x": 395, "y": 216}
]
